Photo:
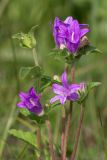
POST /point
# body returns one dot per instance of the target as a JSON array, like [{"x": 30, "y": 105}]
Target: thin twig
[
  {"x": 51, "y": 148},
  {"x": 73, "y": 155}
]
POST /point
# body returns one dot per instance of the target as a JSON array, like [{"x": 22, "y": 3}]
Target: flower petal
[
  {"x": 64, "y": 79},
  {"x": 37, "y": 109},
  {"x": 72, "y": 47},
  {"x": 32, "y": 91},
  {"x": 23, "y": 95},
  {"x": 83, "y": 26},
  {"x": 58, "y": 89},
  {"x": 68, "y": 20},
  {"x": 74, "y": 32},
  {"x": 84, "y": 31},
  {"x": 62, "y": 99},
  {"x": 73, "y": 97},
  {"x": 21, "y": 105},
  {"x": 54, "y": 99}
]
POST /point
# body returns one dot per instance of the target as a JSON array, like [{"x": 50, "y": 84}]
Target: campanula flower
[
  {"x": 68, "y": 34},
  {"x": 67, "y": 91},
  {"x": 31, "y": 101}
]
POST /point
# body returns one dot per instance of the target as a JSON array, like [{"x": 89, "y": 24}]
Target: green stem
[
  {"x": 35, "y": 57},
  {"x": 40, "y": 147},
  {"x": 63, "y": 154},
  {"x": 73, "y": 155},
  {"x": 69, "y": 115},
  {"x": 66, "y": 123},
  {"x": 51, "y": 148}
]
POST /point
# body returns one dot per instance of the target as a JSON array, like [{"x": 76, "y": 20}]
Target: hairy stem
[
  {"x": 78, "y": 134},
  {"x": 66, "y": 122},
  {"x": 35, "y": 57},
  {"x": 69, "y": 115},
  {"x": 51, "y": 148},
  {"x": 67, "y": 128},
  {"x": 63, "y": 135},
  {"x": 39, "y": 142},
  {"x": 73, "y": 74}
]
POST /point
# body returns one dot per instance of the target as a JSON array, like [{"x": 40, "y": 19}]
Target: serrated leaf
[
  {"x": 25, "y": 136},
  {"x": 24, "y": 71},
  {"x": 87, "y": 50},
  {"x": 58, "y": 53},
  {"x": 38, "y": 119},
  {"x": 91, "y": 85},
  {"x": 24, "y": 112},
  {"x": 42, "y": 83},
  {"x": 45, "y": 82},
  {"x": 51, "y": 108},
  {"x": 70, "y": 57},
  {"x": 34, "y": 72}
]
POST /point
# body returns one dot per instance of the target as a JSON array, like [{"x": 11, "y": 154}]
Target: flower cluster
[
  {"x": 67, "y": 91},
  {"x": 68, "y": 34},
  {"x": 31, "y": 101}
]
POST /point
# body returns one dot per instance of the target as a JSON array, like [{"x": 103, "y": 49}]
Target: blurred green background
[{"x": 21, "y": 15}]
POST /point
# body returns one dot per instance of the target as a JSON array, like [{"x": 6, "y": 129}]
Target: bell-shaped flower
[
  {"x": 66, "y": 91},
  {"x": 68, "y": 34},
  {"x": 31, "y": 101}
]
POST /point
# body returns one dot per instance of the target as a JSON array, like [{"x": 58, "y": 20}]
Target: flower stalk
[
  {"x": 51, "y": 146},
  {"x": 69, "y": 115},
  {"x": 39, "y": 142},
  {"x": 63, "y": 153},
  {"x": 35, "y": 57},
  {"x": 78, "y": 134}
]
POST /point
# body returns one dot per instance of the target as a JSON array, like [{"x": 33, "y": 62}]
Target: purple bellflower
[
  {"x": 68, "y": 33},
  {"x": 31, "y": 101},
  {"x": 67, "y": 91}
]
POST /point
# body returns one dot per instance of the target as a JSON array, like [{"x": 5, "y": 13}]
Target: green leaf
[
  {"x": 33, "y": 72},
  {"x": 58, "y": 54},
  {"x": 42, "y": 83},
  {"x": 24, "y": 72},
  {"x": 28, "y": 137},
  {"x": 91, "y": 85},
  {"x": 36, "y": 72},
  {"x": 51, "y": 108},
  {"x": 38, "y": 119},
  {"x": 70, "y": 57},
  {"x": 24, "y": 112},
  {"x": 86, "y": 50},
  {"x": 45, "y": 82}
]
